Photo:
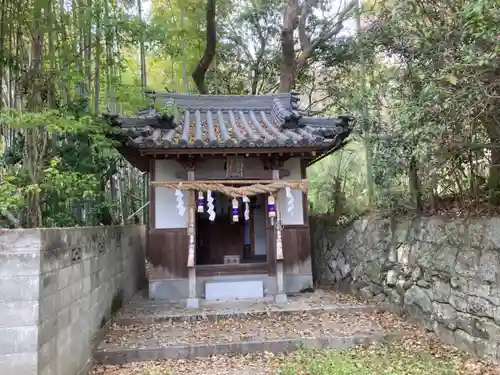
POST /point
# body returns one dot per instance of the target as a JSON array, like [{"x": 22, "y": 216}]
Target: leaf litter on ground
[
  {"x": 417, "y": 353},
  {"x": 247, "y": 328}
]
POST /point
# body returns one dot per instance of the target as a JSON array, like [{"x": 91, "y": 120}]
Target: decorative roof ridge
[
  {"x": 294, "y": 100},
  {"x": 279, "y": 95},
  {"x": 203, "y": 102},
  {"x": 326, "y": 121},
  {"x": 288, "y": 118}
]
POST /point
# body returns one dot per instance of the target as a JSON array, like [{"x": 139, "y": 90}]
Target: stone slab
[
  {"x": 280, "y": 298},
  {"x": 178, "y": 289},
  {"x": 234, "y": 290},
  {"x": 192, "y": 303}
]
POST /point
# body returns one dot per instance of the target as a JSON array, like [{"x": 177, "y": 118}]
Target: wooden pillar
[
  {"x": 280, "y": 282},
  {"x": 192, "y": 301}
]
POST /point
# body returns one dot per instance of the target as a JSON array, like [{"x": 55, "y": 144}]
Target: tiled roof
[{"x": 206, "y": 121}]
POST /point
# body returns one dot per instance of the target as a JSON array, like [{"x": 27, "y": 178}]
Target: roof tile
[{"x": 232, "y": 121}]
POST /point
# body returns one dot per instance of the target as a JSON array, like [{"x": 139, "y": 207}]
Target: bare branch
[
  {"x": 291, "y": 64},
  {"x": 326, "y": 33},
  {"x": 305, "y": 41},
  {"x": 240, "y": 43}
]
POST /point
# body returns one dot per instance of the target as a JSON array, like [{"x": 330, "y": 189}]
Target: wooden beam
[
  {"x": 305, "y": 202},
  {"x": 189, "y": 163},
  {"x": 152, "y": 195},
  {"x": 274, "y": 161},
  {"x": 191, "y": 211},
  {"x": 247, "y": 151},
  {"x": 280, "y": 279},
  {"x": 221, "y": 175},
  {"x": 228, "y": 182},
  {"x": 192, "y": 301}
]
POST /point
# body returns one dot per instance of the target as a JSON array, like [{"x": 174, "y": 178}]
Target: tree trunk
[
  {"x": 415, "y": 191},
  {"x": 370, "y": 184},
  {"x": 142, "y": 50},
  {"x": 287, "y": 77},
  {"x": 494, "y": 177},
  {"x": 494, "y": 172},
  {"x": 35, "y": 145},
  {"x": 210, "y": 47},
  {"x": 288, "y": 64}
]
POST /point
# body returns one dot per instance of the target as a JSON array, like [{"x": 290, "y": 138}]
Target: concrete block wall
[
  {"x": 19, "y": 300},
  {"x": 58, "y": 287}
]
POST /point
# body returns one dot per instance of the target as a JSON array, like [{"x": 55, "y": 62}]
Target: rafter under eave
[{"x": 295, "y": 151}]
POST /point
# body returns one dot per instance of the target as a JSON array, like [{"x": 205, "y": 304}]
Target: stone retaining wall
[
  {"x": 58, "y": 287},
  {"x": 443, "y": 273}
]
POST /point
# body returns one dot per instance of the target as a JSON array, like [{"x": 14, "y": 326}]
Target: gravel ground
[{"x": 246, "y": 329}]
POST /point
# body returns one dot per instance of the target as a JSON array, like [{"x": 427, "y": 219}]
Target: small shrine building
[{"x": 228, "y": 192}]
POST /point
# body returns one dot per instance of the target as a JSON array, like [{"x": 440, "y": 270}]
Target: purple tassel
[
  {"x": 201, "y": 202},
  {"x": 271, "y": 206},
  {"x": 236, "y": 215}
]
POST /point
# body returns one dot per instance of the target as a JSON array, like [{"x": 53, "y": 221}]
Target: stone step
[
  {"x": 225, "y": 311},
  {"x": 181, "y": 339},
  {"x": 143, "y": 310},
  {"x": 122, "y": 356}
]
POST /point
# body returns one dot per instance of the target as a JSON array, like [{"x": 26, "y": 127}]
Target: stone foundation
[
  {"x": 58, "y": 287},
  {"x": 443, "y": 273}
]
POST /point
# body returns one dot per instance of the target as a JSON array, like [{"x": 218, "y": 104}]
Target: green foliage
[
  {"x": 57, "y": 160},
  {"x": 61, "y": 192},
  {"x": 443, "y": 106},
  {"x": 56, "y": 121},
  {"x": 70, "y": 181},
  {"x": 422, "y": 79},
  {"x": 337, "y": 183},
  {"x": 11, "y": 199},
  {"x": 132, "y": 97},
  {"x": 14, "y": 153},
  {"x": 248, "y": 62},
  {"x": 429, "y": 113},
  {"x": 169, "y": 109}
]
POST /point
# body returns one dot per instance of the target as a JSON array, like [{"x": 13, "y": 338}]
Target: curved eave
[{"x": 134, "y": 157}]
